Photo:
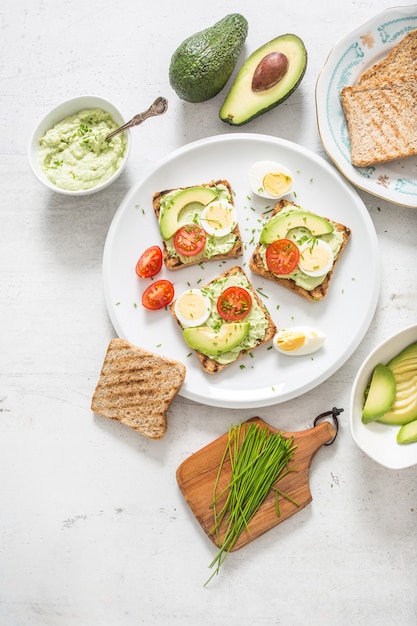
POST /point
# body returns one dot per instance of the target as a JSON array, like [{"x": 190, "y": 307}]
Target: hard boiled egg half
[
  {"x": 316, "y": 258},
  {"x": 269, "y": 179},
  {"x": 299, "y": 340},
  {"x": 218, "y": 218},
  {"x": 192, "y": 308}
]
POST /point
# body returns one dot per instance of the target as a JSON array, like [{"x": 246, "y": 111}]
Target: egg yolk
[
  {"x": 191, "y": 306},
  {"x": 218, "y": 217},
  {"x": 291, "y": 341},
  {"x": 276, "y": 183},
  {"x": 313, "y": 258}
]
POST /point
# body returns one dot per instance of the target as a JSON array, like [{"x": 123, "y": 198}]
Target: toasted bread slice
[
  {"x": 381, "y": 109},
  {"x": 136, "y": 388},
  {"x": 401, "y": 61},
  {"x": 318, "y": 293},
  {"x": 208, "y": 363},
  {"x": 174, "y": 262},
  {"x": 381, "y": 121}
]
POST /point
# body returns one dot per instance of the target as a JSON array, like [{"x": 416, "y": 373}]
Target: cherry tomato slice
[
  {"x": 150, "y": 262},
  {"x": 282, "y": 256},
  {"x": 234, "y": 303},
  {"x": 189, "y": 240},
  {"x": 158, "y": 294}
]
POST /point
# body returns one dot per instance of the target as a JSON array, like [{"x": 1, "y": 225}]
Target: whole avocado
[{"x": 201, "y": 66}]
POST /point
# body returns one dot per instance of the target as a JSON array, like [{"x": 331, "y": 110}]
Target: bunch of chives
[{"x": 258, "y": 459}]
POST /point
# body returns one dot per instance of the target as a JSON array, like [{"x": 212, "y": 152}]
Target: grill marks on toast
[
  {"x": 382, "y": 122},
  {"x": 136, "y": 388},
  {"x": 381, "y": 110}
]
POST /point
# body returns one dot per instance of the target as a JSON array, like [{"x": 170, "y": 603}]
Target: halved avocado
[
  {"x": 281, "y": 223},
  {"x": 242, "y": 103},
  {"x": 212, "y": 342},
  {"x": 168, "y": 221}
]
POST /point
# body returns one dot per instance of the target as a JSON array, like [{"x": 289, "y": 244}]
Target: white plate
[
  {"x": 266, "y": 377},
  {"x": 378, "y": 441},
  {"x": 395, "y": 181}
]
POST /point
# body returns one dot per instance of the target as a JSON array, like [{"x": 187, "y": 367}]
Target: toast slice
[
  {"x": 381, "y": 109},
  {"x": 136, "y": 388},
  {"x": 209, "y": 363},
  {"x": 382, "y": 121},
  {"x": 171, "y": 259},
  {"x": 400, "y": 62},
  {"x": 257, "y": 266}
]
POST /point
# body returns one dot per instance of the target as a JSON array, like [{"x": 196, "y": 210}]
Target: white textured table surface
[{"x": 93, "y": 528}]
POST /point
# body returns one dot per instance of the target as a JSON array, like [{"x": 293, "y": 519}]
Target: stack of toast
[{"x": 381, "y": 109}]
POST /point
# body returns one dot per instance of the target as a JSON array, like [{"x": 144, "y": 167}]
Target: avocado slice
[
  {"x": 404, "y": 369},
  {"x": 407, "y": 433},
  {"x": 279, "y": 225},
  {"x": 168, "y": 220},
  {"x": 380, "y": 394},
  {"x": 243, "y": 103},
  {"x": 213, "y": 342},
  {"x": 203, "y": 63}
]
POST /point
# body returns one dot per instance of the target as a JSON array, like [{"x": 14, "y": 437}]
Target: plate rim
[{"x": 268, "y": 399}]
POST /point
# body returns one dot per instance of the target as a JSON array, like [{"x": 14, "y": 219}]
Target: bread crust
[
  {"x": 318, "y": 293},
  {"x": 174, "y": 262},
  {"x": 137, "y": 387},
  {"x": 209, "y": 364}
]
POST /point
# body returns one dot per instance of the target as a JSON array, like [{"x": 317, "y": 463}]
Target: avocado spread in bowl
[{"x": 68, "y": 150}]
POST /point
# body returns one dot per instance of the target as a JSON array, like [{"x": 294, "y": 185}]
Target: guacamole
[
  {"x": 74, "y": 154},
  {"x": 300, "y": 235}
]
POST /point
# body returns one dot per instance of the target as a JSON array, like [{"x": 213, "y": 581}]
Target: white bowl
[
  {"x": 378, "y": 441},
  {"x": 57, "y": 114}
]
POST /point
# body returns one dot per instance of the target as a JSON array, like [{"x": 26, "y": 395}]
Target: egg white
[
  {"x": 216, "y": 230},
  {"x": 257, "y": 173},
  {"x": 323, "y": 269},
  {"x": 193, "y": 321},
  {"x": 313, "y": 340}
]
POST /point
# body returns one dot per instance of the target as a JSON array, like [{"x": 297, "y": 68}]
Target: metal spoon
[{"x": 158, "y": 107}]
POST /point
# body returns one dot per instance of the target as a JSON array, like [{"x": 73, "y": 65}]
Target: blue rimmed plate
[{"x": 395, "y": 181}]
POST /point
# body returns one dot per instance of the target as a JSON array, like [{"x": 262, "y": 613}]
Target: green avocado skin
[{"x": 201, "y": 66}]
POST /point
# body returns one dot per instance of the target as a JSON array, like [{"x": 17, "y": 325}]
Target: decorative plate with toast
[
  {"x": 246, "y": 372},
  {"x": 366, "y": 82}
]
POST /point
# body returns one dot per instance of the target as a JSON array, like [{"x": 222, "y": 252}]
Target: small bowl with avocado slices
[
  {"x": 68, "y": 150},
  {"x": 383, "y": 403}
]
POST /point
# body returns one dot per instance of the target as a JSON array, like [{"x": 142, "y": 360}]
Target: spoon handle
[{"x": 158, "y": 107}]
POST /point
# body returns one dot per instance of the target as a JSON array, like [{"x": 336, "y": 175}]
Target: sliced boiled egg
[
  {"x": 218, "y": 218},
  {"x": 192, "y": 308},
  {"x": 269, "y": 179},
  {"x": 298, "y": 340},
  {"x": 316, "y": 258}
]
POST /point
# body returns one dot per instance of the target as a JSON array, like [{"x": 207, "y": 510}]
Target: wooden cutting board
[{"x": 196, "y": 478}]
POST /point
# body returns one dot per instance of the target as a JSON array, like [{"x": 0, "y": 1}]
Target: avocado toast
[
  {"x": 237, "y": 323},
  {"x": 190, "y": 238},
  {"x": 304, "y": 233}
]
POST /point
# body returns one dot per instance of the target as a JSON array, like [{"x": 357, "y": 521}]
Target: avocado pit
[{"x": 269, "y": 71}]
